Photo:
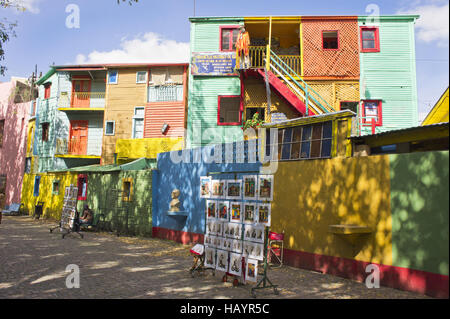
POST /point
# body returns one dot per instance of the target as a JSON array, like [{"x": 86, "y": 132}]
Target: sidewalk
[{"x": 33, "y": 263}]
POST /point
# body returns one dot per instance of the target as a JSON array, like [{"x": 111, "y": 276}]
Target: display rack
[{"x": 264, "y": 282}]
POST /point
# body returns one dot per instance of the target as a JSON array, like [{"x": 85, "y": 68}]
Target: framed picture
[
  {"x": 234, "y": 230},
  {"x": 222, "y": 260},
  {"x": 236, "y": 212},
  {"x": 210, "y": 228},
  {"x": 226, "y": 244},
  {"x": 253, "y": 250},
  {"x": 223, "y": 210},
  {"x": 249, "y": 213},
  {"x": 66, "y": 192},
  {"x": 234, "y": 189},
  {"x": 217, "y": 242},
  {"x": 205, "y": 187},
  {"x": 211, "y": 209},
  {"x": 209, "y": 241},
  {"x": 218, "y": 227},
  {"x": 218, "y": 189},
  {"x": 254, "y": 233},
  {"x": 264, "y": 212},
  {"x": 265, "y": 187},
  {"x": 251, "y": 270},
  {"x": 235, "y": 264},
  {"x": 210, "y": 257},
  {"x": 236, "y": 246},
  {"x": 250, "y": 191}
]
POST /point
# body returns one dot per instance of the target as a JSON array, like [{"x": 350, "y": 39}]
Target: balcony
[
  {"x": 258, "y": 54},
  {"x": 81, "y": 101},
  {"x": 73, "y": 148},
  {"x": 165, "y": 93}
]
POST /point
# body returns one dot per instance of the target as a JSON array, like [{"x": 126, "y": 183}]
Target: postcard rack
[{"x": 261, "y": 240}]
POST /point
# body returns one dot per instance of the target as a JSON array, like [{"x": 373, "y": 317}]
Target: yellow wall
[
  {"x": 146, "y": 147},
  {"x": 30, "y": 137},
  {"x": 53, "y": 203},
  {"x": 333, "y": 92},
  {"x": 121, "y": 99},
  {"x": 339, "y": 191}
]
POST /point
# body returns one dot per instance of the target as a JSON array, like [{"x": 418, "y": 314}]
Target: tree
[{"x": 7, "y": 29}]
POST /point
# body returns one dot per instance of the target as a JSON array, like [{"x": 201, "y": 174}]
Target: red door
[
  {"x": 81, "y": 93},
  {"x": 78, "y": 137}
]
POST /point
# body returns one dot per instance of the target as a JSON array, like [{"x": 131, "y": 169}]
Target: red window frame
[
  {"x": 376, "y": 39},
  {"x": 47, "y": 90},
  {"x": 230, "y": 28},
  {"x": 338, "y": 42},
  {"x": 241, "y": 108},
  {"x": 82, "y": 177},
  {"x": 379, "y": 121}
]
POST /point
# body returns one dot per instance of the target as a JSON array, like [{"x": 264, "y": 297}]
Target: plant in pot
[{"x": 254, "y": 123}]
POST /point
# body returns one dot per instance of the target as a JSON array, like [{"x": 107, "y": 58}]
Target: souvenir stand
[
  {"x": 237, "y": 225},
  {"x": 69, "y": 215}
]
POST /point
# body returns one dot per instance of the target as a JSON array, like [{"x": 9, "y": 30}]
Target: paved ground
[{"x": 33, "y": 263}]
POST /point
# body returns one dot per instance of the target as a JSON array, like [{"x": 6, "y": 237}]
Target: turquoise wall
[
  {"x": 204, "y": 91},
  {"x": 390, "y": 75}
]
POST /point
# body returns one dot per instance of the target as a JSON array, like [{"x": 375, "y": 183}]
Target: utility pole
[{"x": 194, "y": 8}]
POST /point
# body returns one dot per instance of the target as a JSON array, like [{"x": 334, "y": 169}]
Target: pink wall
[{"x": 13, "y": 151}]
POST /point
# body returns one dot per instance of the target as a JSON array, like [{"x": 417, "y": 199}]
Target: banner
[{"x": 214, "y": 64}]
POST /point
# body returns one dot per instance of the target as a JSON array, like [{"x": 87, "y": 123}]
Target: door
[
  {"x": 81, "y": 93},
  {"x": 78, "y": 137}
]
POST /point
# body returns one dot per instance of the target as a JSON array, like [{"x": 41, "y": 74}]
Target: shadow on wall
[{"x": 420, "y": 208}]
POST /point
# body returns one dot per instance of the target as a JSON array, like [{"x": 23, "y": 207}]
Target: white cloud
[
  {"x": 433, "y": 24},
  {"x": 28, "y": 5},
  {"x": 147, "y": 48}
]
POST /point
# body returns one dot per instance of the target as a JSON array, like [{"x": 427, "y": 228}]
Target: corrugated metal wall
[
  {"x": 204, "y": 91},
  {"x": 156, "y": 114},
  {"x": 390, "y": 75}
]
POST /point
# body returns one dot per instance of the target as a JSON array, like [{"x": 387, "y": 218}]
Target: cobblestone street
[{"x": 33, "y": 263}]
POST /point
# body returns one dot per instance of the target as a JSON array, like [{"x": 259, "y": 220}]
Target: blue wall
[{"x": 185, "y": 176}]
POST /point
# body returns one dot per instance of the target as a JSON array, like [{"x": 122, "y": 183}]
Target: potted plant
[{"x": 255, "y": 122}]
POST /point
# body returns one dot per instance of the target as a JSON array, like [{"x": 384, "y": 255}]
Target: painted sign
[{"x": 214, "y": 64}]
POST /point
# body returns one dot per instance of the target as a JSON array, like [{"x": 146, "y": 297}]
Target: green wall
[
  {"x": 390, "y": 75},
  {"x": 420, "y": 209},
  {"x": 101, "y": 198},
  {"x": 204, "y": 91}
]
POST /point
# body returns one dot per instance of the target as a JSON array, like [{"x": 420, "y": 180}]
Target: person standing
[{"x": 242, "y": 49}]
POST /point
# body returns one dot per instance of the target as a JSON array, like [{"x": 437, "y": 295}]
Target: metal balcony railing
[
  {"x": 165, "y": 93},
  {"x": 81, "y": 99}
]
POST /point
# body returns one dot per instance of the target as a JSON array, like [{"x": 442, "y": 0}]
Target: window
[
  {"x": 370, "y": 41},
  {"x": 230, "y": 110},
  {"x": 47, "y": 89},
  {"x": 349, "y": 105},
  {"x": 37, "y": 181},
  {"x": 228, "y": 37},
  {"x": 371, "y": 109},
  {"x": 303, "y": 142},
  {"x": 82, "y": 187},
  {"x": 127, "y": 186},
  {"x": 45, "y": 129},
  {"x": 28, "y": 165},
  {"x": 2, "y": 130},
  {"x": 113, "y": 77},
  {"x": 138, "y": 122},
  {"x": 141, "y": 77},
  {"x": 110, "y": 127},
  {"x": 330, "y": 40},
  {"x": 55, "y": 187}
]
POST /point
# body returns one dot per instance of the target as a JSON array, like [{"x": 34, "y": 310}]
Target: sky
[{"x": 158, "y": 31}]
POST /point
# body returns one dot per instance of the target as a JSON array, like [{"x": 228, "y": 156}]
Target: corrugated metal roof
[
  {"x": 306, "y": 119},
  {"x": 136, "y": 165}
]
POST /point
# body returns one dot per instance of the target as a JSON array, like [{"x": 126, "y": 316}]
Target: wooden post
[{"x": 269, "y": 45}]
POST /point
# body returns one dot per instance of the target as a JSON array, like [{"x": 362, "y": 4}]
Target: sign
[
  {"x": 278, "y": 117},
  {"x": 214, "y": 64}
]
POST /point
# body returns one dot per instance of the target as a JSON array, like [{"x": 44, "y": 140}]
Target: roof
[
  {"x": 411, "y": 134},
  {"x": 103, "y": 66},
  {"x": 299, "y": 17},
  {"x": 139, "y": 164},
  {"x": 439, "y": 112},
  {"x": 311, "y": 119},
  {"x": 46, "y": 76}
]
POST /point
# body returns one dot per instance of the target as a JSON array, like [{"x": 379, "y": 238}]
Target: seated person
[{"x": 87, "y": 216}]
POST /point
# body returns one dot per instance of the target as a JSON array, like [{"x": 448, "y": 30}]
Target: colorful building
[
  {"x": 15, "y": 103},
  {"x": 439, "y": 112},
  {"x": 314, "y": 64},
  {"x": 146, "y": 107}
]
